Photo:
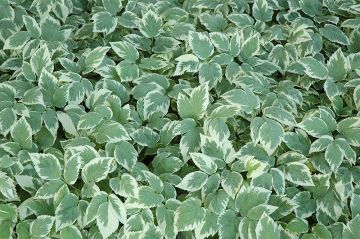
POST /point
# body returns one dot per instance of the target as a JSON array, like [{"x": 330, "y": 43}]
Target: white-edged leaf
[
  {"x": 21, "y": 133},
  {"x": 194, "y": 106},
  {"x": 193, "y": 181},
  {"x": 111, "y": 132},
  {"x": 245, "y": 100},
  {"x": 200, "y": 45},
  {"x": 33, "y": 96},
  {"x": 314, "y": 68},
  {"x": 16, "y": 41},
  {"x": 125, "y": 154},
  {"x": 47, "y": 166},
  {"x": 299, "y": 174},
  {"x": 67, "y": 211},
  {"x": 72, "y": 168},
  {"x": 338, "y": 65},
  {"x": 279, "y": 114},
  {"x": 267, "y": 228},
  {"x": 104, "y": 22},
  {"x": 40, "y": 60},
  {"x": 189, "y": 215},
  {"x": 231, "y": 182},
  {"x": 150, "y": 24},
  {"x": 126, "y": 186},
  {"x": 125, "y": 50},
  {"x": 334, "y": 34},
  {"x": 97, "y": 169},
  {"x": 95, "y": 57},
  {"x": 204, "y": 162},
  {"x": 41, "y": 226}
]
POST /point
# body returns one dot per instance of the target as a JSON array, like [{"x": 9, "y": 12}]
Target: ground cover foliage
[{"x": 179, "y": 119}]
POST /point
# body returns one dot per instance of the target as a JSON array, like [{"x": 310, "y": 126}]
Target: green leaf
[
  {"x": 356, "y": 97},
  {"x": 31, "y": 26},
  {"x": 189, "y": 215},
  {"x": 7, "y": 187},
  {"x": 148, "y": 198},
  {"x": 97, "y": 169},
  {"x": 165, "y": 44},
  {"x": 208, "y": 227},
  {"x": 298, "y": 225},
  {"x": 67, "y": 123},
  {"x": 151, "y": 231},
  {"x": 354, "y": 205},
  {"x": 336, "y": 151},
  {"x": 150, "y": 24},
  {"x": 321, "y": 231},
  {"x": 311, "y": 8},
  {"x": 266, "y": 228},
  {"x": 47, "y": 166},
  {"x": 22, "y": 133},
  {"x": 51, "y": 122},
  {"x": 200, "y": 45},
  {"x": 127, "y": 70},
  {"x": 92, "y": 209},
  {"x": 165, "y": 219},
  {"x": 278, "y": 179},
  {"x": 241, "y": 20},
  {"x": 220, "y": 41}
]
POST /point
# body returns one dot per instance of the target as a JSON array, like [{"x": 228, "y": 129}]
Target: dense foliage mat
[{"x": 179, "y": 119}]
